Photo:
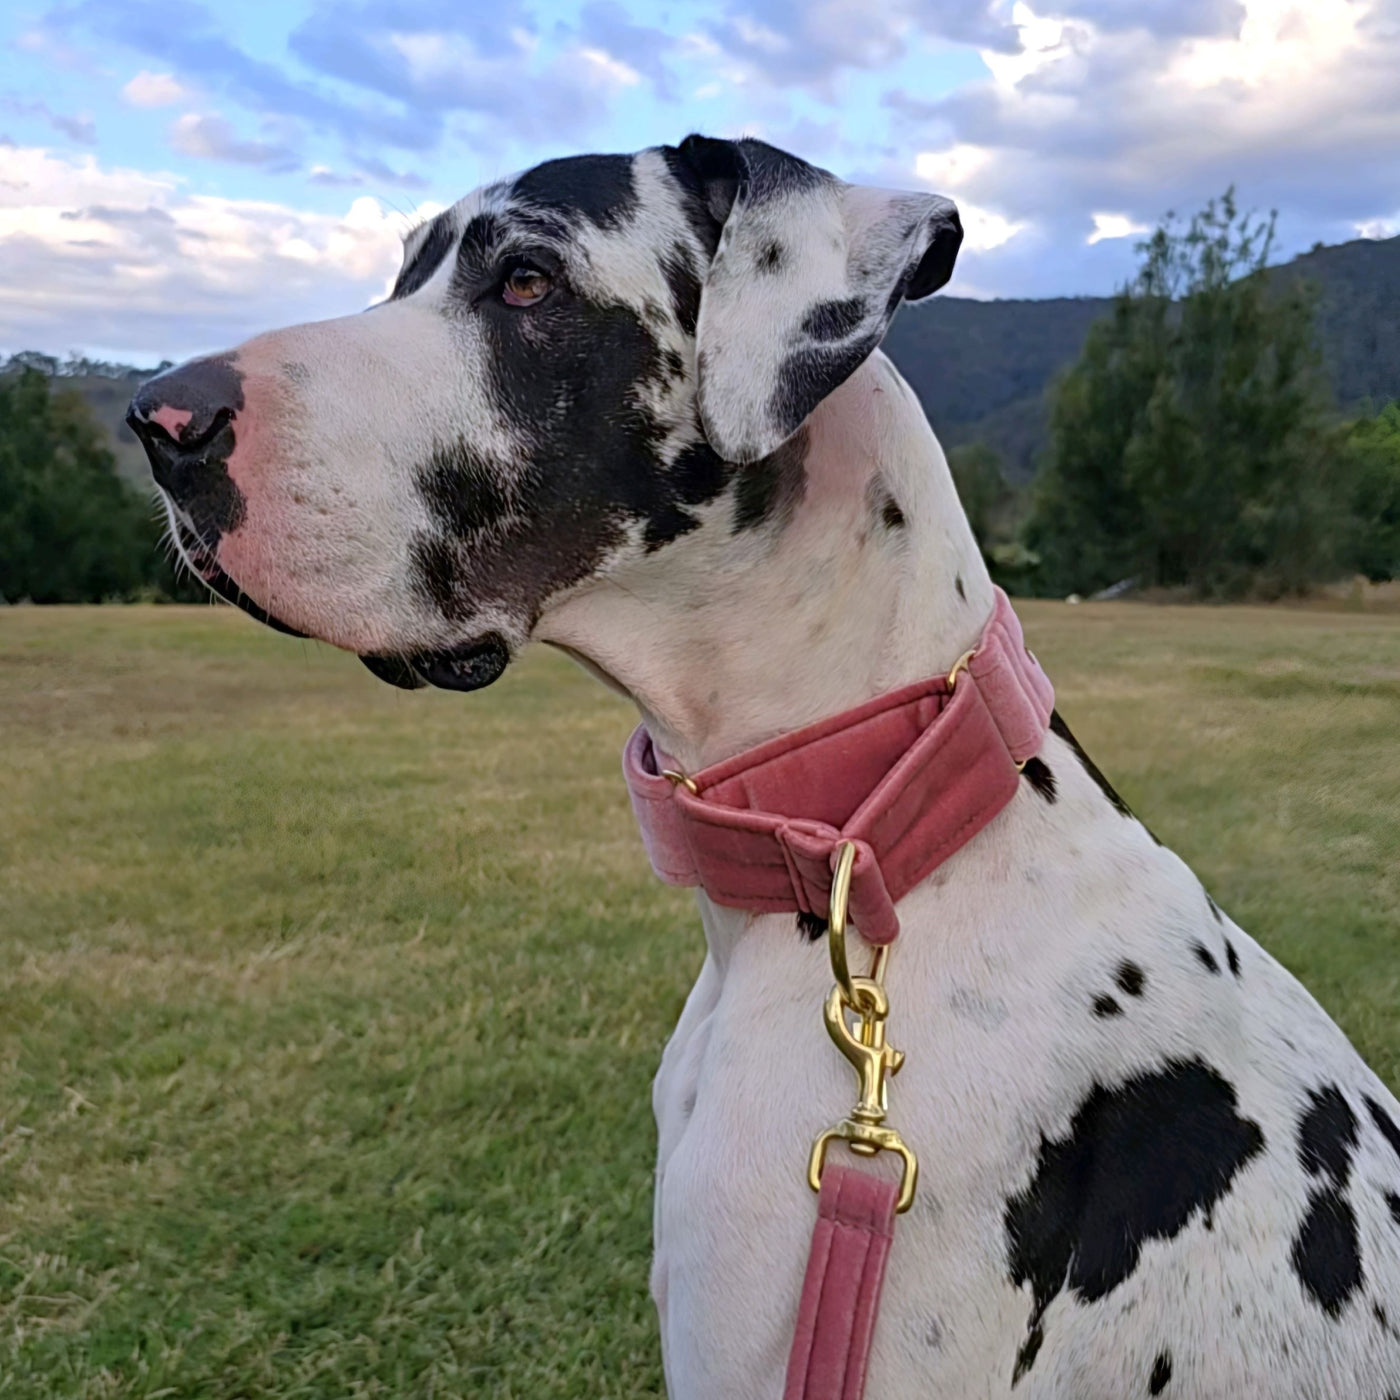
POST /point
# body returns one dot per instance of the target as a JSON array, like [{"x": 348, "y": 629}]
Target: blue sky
[{"x": 175, "y": 176}]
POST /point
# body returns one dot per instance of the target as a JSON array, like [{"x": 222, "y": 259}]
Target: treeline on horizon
[{"x": 1194, "y": 448}]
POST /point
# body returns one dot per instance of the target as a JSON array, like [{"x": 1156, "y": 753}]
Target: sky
[{"x": 175, "y": 177}]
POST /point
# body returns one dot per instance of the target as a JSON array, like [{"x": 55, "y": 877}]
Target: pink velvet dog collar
[{"x": 909, "y": 777}]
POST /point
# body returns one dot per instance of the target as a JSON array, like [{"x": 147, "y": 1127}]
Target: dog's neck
[{"x": 727, "y": 638}]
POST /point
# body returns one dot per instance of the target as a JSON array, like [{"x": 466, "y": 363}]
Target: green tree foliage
[
  {"x": 1373, "y": 450},
  {"x": 996, "y": 511},
  {"x": 1191, "y": 445},
  {"x": 71, "y": 531}
]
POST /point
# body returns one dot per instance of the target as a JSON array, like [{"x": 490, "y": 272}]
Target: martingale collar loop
[{"x": 908, "y": 778}]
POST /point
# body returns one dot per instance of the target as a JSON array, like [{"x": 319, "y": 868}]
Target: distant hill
[{"x": 981, "y": 368}]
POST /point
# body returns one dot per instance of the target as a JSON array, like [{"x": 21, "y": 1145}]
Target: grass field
[{"x": 327, "y": 1013}]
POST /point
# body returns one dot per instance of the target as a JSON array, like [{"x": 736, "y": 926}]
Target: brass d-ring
[
  {"x": 836, "y": 920},
  {"x": 836, "y": 931},
  {"x": 680, "y": 780},
  {"x": 961, "y": 664}
]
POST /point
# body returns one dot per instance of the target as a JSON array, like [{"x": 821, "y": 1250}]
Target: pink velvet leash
[{"x": 841, "y": 1292}]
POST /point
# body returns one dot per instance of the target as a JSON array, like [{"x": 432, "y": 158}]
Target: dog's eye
[{"x": 525, "y": 285}]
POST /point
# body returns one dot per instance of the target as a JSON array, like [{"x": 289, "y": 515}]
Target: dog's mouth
[
  {"x": 471, "y": 666},
  {"x": 200, "y": 557}
]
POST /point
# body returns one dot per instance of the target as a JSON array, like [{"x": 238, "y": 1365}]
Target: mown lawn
[{"x": 327, "y": 1013}]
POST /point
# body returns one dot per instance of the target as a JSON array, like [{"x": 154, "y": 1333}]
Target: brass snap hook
[{"x": 862, "y": 1042}]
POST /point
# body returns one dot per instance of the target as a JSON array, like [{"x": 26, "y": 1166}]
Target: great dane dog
[{"x": 633, "y": 406}]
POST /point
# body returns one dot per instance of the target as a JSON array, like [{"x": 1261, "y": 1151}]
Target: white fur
[{"x": 1002, "y": 952}]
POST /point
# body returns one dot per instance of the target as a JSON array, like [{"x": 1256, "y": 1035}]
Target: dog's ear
[{"x": 804, "y": 282}]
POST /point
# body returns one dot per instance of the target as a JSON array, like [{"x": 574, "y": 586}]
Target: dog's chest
[{"x": 1103, "y": 1081}]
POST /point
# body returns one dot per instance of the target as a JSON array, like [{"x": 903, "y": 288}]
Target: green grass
[{"x": 327, "y": 1013}]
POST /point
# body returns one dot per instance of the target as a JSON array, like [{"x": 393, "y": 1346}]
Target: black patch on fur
[
  {"x": 767, "y": 172},
  {"x": 1232, "y": 958},
  {"x": 811, "y": 926},
  {"x": 771, "y": 258},
  {"x": 1205, "y": 957},
  {"x": 891, "y": 517},
  {"x": 1161, "y": 1373},
  {"x": 696, "y": 476},
  {"x": 685, "y": 287},
  {"x": 1130, "y": 978},
  {"x": 1385, "y": 1123},
  {"x": 569, "y": 376},
  {"x": 1030, "y": 1349},
  {"x": 431, "y": 251},
  {"x": 478, "y": 245},
  {"x": 1037, "y": 773},
  {"x": 706, "y": 173},
  {"x": 808, "y": 375},
  {"x": 834, "y": 320},
  {"x": 1106, "y": 1006},
  {"x": 1392, "y": 1202},
  {"x": 958, "y": 584},
  {"x": 1058, "y": 726},
  {"x": 600, "y": 188},
  {"x": 1214, "y": 908},
  {"x": 1139, "y": 1161},
  {"x": 771, "y": 488},
  {"x": 1327, "y": 1136},
  {"x": 1326, "y": 1255},
  {"x": 461, "y": 490}
]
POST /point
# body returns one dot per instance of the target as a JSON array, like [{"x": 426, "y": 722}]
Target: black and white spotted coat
[{"x": 1151, "y": 1165}]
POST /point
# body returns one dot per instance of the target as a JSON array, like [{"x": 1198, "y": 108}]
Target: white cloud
[
  {"x": 1044, "y": 41},
  {"x": 1294, "y": 104},
  {"x": 760, "y": 36},
  {"x": 953, "y": 168},
  {"x": 1279, "y": 41},
  {"x": 127, "y": 261},
  {"x": 149, "y": 89},
  {"x": 212, "y": 138},
  {"x": 1379, "y": 228},
  {"x": 985, "y": 229},
  {"x": 611, "y": 70},
  {"x": 1114, "y": 226}
]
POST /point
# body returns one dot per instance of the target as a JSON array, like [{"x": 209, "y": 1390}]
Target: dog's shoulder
[{"x": 1205, "y": 1175}]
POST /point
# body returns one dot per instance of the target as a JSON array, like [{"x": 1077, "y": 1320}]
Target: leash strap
[{"x": 841, "y": 1290}]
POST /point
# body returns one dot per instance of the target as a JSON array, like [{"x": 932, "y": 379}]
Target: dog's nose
[{"x": 184, "y": 419}]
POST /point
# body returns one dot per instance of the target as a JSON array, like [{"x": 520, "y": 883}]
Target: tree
[
  {"x": 995, "y": 510},
  {"x": 71, "y": 530},
  {"x": 986, "y": 496},
  {"x": 1373, "y": 450},
  {"x": 1191, "y": 443}
]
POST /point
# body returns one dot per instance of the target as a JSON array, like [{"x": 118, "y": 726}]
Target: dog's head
[{"x": 572, "y": 370}]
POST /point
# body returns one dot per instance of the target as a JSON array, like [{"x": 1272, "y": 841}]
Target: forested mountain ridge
[{"x": 981, "y": 368}]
